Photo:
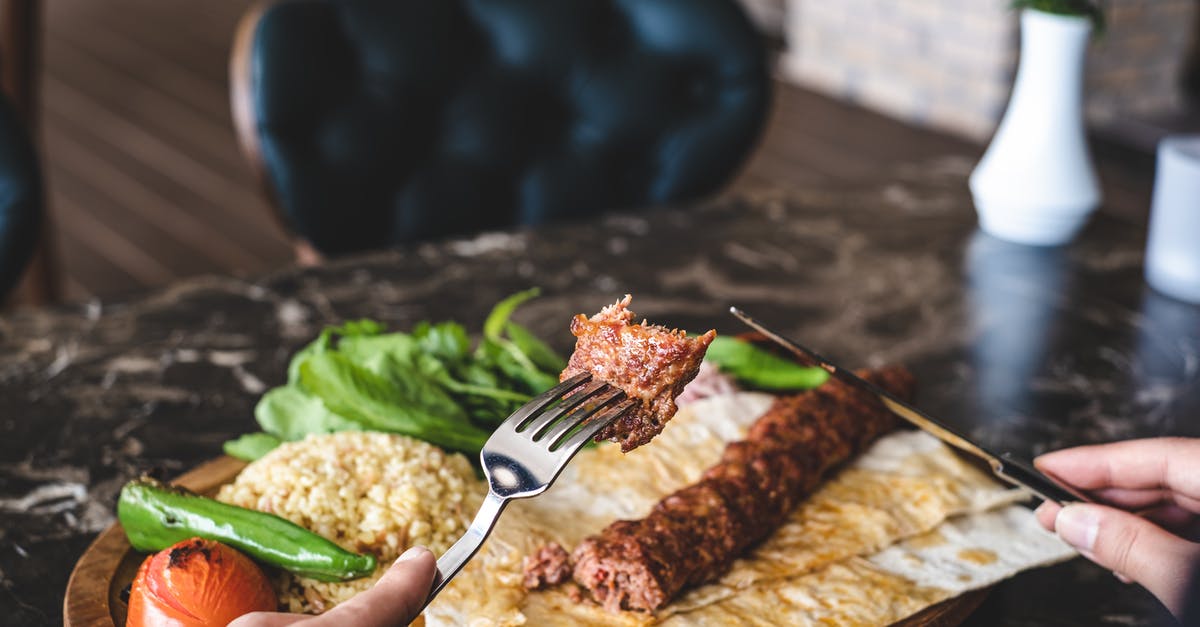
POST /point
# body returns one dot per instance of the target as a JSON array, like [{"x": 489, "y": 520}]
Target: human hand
[
  {"x": 396, "y": 599},
  {"x": 1158, "y": 477}
]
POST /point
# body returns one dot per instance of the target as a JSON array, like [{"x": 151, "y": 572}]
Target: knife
[{"x": 1005, "y": 466}]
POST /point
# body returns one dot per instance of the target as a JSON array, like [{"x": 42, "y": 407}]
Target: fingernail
[
  {"x": 412, "y": 554},
  {"x": 1078, "y": 526}
]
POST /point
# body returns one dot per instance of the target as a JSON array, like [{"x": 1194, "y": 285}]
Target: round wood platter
[
  {"x": 94, "y": 591},
  {"x": 109, "y": 565}
]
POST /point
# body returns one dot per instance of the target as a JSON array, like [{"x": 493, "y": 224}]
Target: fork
[{"x": 528, "y": 451}]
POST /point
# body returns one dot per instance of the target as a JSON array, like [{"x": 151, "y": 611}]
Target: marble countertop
[{"x": 1027, "y": 349}]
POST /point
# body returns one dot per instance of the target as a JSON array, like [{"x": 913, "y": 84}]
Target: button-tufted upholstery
[
  {"x": 20, "y": 198},
  {"x": 384, "y": 121}
]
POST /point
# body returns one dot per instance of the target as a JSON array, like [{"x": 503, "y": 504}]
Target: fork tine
[
  {"x": 542, "y": 400},
  {"x": 574, "y": 419},
  {"x": 589, "y": 431},
  {"x": 518, "y": 466},
  {"x": 539, "y": 422}
]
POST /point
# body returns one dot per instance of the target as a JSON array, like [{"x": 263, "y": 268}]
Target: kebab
[{"x": 694, "y": 535}]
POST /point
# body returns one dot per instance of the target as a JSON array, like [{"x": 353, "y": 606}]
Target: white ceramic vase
[{"x": 1036, "y": 184}]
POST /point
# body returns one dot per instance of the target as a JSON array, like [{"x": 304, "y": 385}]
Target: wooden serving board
[
  {"x": 94, "y": 592},
  {"x": 109, "y": 565}
]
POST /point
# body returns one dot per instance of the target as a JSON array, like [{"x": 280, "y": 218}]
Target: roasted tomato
[{"x": 197, "y": 583}]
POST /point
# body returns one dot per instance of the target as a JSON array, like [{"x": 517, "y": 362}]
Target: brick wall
[
  {"x": 949, "y": 64},
  {"x": 1135, "y": 66}
]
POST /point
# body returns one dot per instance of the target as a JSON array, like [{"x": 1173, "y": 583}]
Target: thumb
[
  {"x": 396, "y": 599},
  {"x": 1133, "y": 547}
]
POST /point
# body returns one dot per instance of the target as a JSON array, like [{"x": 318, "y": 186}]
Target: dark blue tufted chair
[
  {"x": 374, "y": 122},
  {"x": 20, "y": 198}
]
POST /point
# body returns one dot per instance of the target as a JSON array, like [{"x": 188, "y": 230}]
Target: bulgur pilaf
[{"x": 368, "y": 492}]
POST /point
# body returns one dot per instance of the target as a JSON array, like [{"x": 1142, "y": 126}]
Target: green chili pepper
[
  {"x": 156, "y": 516},
  {"x": 761, "y": 369}
]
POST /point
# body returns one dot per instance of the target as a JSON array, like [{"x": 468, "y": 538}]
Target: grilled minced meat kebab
[
  {"x": 693, "y": 536},
  {"x": 649, "y": 362}
]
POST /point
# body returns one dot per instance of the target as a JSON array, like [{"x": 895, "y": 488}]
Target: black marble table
[{"x": 1028, "y": 349}]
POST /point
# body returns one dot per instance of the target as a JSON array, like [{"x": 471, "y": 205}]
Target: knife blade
[{"x": 1005, "y": 466}]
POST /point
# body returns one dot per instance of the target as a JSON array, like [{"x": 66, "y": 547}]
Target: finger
[
  {"x": 1182, "y": 523},
  {"x": 1134, "y": 499},
  {"x": 1046, "y": 513},
  {"x": 1133, "y": 547},
  {"x": 395, "y": 600},
  {"x": 1173, "y": 518},
  {"x": 1151, "y": 463},
  {"x": 267, "y": 619}
]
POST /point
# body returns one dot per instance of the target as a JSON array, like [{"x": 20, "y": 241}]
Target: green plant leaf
[
  {"x": 760, "y": 369},
  {"x": 389, "y": 355},
  {"x": 536, "y": 350},
  {"x": 478, "y": 373},
  {"x": 322, "y": 343},
  {"x": 513, "y": 363},
  {"x": 1078, "y": 8},
  {"x": 415, "y": 409},
  {"x": 447, "y": 341},
  {"x": 493, "y": 326},
  {"x": 495, "y": 393},
  {"x": 509, "y": 356},
  {"x": 290, "y": 413},
  {"x": 251, "y": 446},
  {"x": 427, "y": 383},
  {"x": 360, "y": 327}
]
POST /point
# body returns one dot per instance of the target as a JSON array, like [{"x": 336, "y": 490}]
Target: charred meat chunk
[
  {"x": 652, "y": 364},
  {"x": 549, "y": 566}
]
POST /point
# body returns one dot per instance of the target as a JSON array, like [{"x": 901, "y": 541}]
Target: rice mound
[{"x": 368, "y": 492}]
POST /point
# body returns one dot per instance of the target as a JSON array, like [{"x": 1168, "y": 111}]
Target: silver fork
[{"x": 527, "y": 453}]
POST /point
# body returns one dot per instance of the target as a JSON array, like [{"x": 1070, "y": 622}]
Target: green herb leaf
[
  {"x": 538, "y": 352},
  {"x": 414, "y": 408},
  {"x": 390, "y": 355},
  {"x": 478, "y": 373},
  {"x": 758, "y": 368},
  {"x": 523, "y": 358},
  {"x": 361, "y": 327},
  {"x": 504, "y": 356},
  {"x": 427, "y": 384},
  {"x": 290, "y": 413},
  {"x": 447, "y": 341},
  {"x": 494, "y": 325},
  {"x": 323, "y": 343},
  {"x": 251, "y": 446}
]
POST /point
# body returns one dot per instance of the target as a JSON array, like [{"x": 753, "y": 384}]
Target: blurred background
[{"x": 145, "y": 182}]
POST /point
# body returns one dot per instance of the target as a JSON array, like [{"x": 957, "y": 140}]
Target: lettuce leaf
[
  {"x": 290, "y": 413},
  {"x": 415, "y": 408},
  {"x": 251, "y": 446},
  {"x": 427, "y": 383}
]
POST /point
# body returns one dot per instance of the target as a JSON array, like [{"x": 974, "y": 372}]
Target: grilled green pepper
[{"x": 156, "y": 516}]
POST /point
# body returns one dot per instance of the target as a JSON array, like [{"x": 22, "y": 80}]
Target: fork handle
[{"x": 458, "y": 555}]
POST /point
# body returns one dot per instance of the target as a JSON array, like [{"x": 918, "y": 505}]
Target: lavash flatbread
[{"x": 839, "y": 558}]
